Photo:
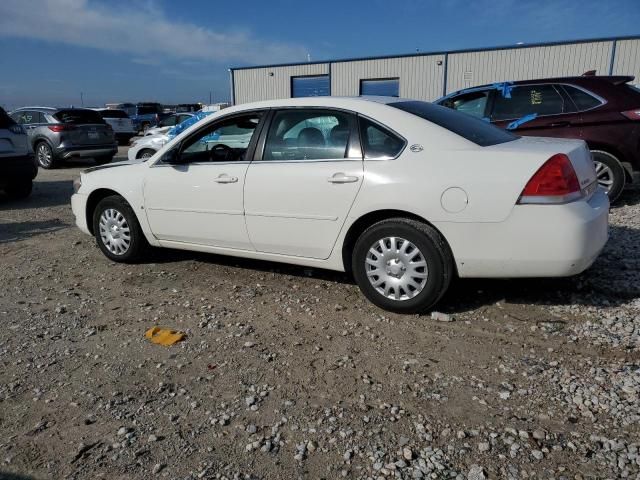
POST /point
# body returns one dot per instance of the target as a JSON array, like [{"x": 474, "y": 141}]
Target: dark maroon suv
[{"x": 602, "y": 111}]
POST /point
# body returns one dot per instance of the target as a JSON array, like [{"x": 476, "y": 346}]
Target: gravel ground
[{"x": 288, "y": 372}]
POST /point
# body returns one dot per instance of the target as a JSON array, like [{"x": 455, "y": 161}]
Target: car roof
[{"x": 320, "y": 101}]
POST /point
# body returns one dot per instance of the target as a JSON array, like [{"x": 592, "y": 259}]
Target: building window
[
  {"x": 388, "y": 87},
  {"x": 310, "y": 86}
]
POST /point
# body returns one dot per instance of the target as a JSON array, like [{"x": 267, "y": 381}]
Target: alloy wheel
[
  {"x": 44, "y": 155},
  {"x": 396, "y": 268},
  {"x": 604, "y": 175}
]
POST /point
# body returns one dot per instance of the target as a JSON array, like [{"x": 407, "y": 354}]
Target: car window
[
  {"x": 182, "y": 118},
  {"x": 169, "y": 121},
  {"x": 527, "y": 99},
  {"x": 78, "y": 116},
  {"x": 307, "y": 135},
  {"x": 27, "y": 117},
  {"x": 148, "y": 110},
  {"x": 113, "y": 113},
  {"x": 5, "y": 120},
  {"x": 225, "y": 141},
  {"x": 472, "y": 103},
  {"x": 473, "y": 129},
  {"x": 378, "y": 142},
  {"x": 582, "y": 99}
]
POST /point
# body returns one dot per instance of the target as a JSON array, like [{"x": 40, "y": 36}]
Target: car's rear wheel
[
  {"x": 402, "y": 265},
  {"x": 117, "y": 230},
  {"x": 146, "y": 153},
  {"x": 609, "y": 173},
  {"x": 44, "y": 154},
  {"x": 19, "y": 188}
]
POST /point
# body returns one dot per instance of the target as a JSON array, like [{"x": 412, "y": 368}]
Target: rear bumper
[
  {"x": 79, "y": 208},
  {"x": 535, "y": 241},
  {"x": 23, "y": 166},
  {"x": 90, "y": 151}
]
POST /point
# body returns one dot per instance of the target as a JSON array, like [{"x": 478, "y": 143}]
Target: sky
[{"x": 52, "y": 51}]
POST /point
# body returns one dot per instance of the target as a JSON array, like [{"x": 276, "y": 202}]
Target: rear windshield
[
  {"x": 113, "y": 114},
  {"x": 5, "y": 120},
  {"x": 473, "y": 129},
  {"x": 78, "y": 116}
]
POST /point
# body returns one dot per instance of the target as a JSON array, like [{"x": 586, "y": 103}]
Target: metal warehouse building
[{"x": 427, "y": 76}]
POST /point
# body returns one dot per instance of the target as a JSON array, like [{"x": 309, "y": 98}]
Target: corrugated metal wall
[
  {"x": 420, "y": 77},
  {"x": 256, "y": 84},
  {"x": 478, "y": 68},
  {"x": 627, "y": 60}
]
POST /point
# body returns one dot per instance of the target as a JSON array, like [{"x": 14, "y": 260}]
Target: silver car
[
  {"x": 120, "y": 122},
  {"x": 58, "y": 134}
]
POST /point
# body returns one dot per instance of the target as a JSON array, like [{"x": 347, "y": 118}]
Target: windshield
[
  {"x": 475, "y": 130},
  {"x": 78, "y": 116}
]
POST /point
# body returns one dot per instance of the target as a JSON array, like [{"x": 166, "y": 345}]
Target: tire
[
  {"x": 610, "y": 173},
  {"x": 19, "y": 188},
  {"x": 424, "y": 245},
  {"x": 146, "y": 153},
  {"x": 103, "y": 160},
  {"x": 112, "y": 212},
  {"x": 44, "y": 155}
]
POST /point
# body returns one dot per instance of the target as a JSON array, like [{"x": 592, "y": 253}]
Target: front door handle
[
  {"x": 342, "y": 178},
  {"x": 224, "y": 178}
]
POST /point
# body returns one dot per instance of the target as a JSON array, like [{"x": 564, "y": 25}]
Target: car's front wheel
[
  {"x": 609, "y": 173},
  {"x": 117, "y": 230},
  {"x": 402, "y": 265},
  {"x": 146, "y": 154},
  {"x": 19, "y": 188}
]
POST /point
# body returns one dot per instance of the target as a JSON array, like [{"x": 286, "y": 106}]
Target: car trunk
[{"x": 85, "y": 127}]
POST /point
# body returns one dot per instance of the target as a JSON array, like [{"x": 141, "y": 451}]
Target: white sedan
[{"x": 403, "y": 194}]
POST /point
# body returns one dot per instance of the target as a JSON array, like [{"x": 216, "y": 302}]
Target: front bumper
[
  {"x": 535, "y": 241},
  {"x": 79, "y": 208},
  {"x": 17, "y": 167}
]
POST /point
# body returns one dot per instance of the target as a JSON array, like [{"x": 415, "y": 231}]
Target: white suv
[{"x": 17, "y": 162}]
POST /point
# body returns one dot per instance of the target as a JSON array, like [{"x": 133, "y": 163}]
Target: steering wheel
[{"x": 221, "y": 152}]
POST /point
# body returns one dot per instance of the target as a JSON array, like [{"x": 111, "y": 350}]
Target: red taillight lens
[
  {"x": 61, "y": 128},
  {"x": 555, "y": 182},
  {"x": 632, "y": 114}
]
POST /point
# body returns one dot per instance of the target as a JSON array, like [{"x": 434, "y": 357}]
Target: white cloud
[{"x": 141, "y": 30}]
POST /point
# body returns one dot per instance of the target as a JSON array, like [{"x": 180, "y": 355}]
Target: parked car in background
[
  {"x": 403, "y": 194},
  {"x": 64, "y": 133},
  {"x": 167, "y": 123},
  {"x": 188, "y": 107},
  {"x": 143, "y": 115},
  {"x": 604, "y": 111},
  {"x": 145, "y": 147},
  {"x": 17, "y": 163},
  {"x": 120, "y": 122}
]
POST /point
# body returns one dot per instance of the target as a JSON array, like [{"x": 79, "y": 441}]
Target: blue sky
[{"x": 174, "y": 52}]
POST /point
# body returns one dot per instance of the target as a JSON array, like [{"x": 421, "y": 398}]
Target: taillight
[
  {"x": 61, "y": 127},
  {"x": 554, "y": 182},
  {"x": 632, "y": 114}
]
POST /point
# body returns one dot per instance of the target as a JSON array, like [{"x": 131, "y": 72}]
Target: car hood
[{"x": 122, "y": 163}]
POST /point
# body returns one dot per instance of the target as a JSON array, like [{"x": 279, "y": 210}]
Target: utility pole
[
  {"x": 81, "y": 99},
  {"x": 209, "y": 97}
]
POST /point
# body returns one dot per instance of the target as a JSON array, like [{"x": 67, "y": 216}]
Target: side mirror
[{"x": 172, "y": 157}]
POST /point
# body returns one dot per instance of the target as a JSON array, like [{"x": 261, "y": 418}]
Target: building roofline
[{"x": 442, "y": 52}]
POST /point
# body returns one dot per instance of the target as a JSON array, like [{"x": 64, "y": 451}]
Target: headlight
[{"x": 77, "y": 183}]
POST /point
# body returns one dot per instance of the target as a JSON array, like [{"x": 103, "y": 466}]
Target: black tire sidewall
[
  {"x": 619, "y": 176},
  {"x": 432, "y": 250},
  {"x": 19, "y": 188},
  {"x": 138, "y": 241}
]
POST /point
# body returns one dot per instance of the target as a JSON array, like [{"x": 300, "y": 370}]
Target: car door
[
  {"x": 30, "y": 120},
  {"x": 555, "y": 112},
  {"x": 198, "y": 199},
  {"x": 303, "y": 182}
]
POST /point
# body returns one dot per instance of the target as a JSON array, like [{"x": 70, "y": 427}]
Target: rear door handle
[
  {"x": 224, "y": 178},
  {"x": 342, "y": 178},
  {"x": 558, "y": 124}
]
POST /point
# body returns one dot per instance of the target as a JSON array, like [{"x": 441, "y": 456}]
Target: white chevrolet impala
[{"x": 402, "y": 194}]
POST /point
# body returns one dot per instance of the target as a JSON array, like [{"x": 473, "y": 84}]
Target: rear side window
[
  {"x": 473, "y": 129},
  {"x": 527, "y": 99},
  {"x": 378, "y": 142},
  {"x": 78, "y": 116},
  {"x": 582, "y": 99},
  {"x": 5, "y": 120},
  {"x": 113, "y": 114},
  {"x": 472, "y": 103}
]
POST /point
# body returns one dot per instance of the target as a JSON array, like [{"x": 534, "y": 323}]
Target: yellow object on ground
[{"x": 163, "y": 336}]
